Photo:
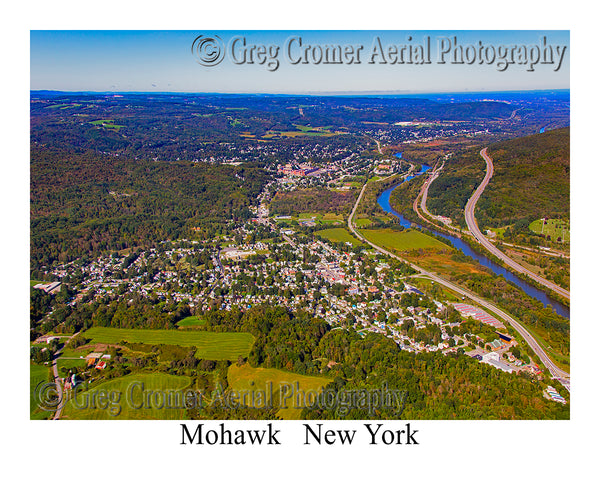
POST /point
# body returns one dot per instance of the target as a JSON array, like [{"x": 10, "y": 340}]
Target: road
[
  {"x": 59, "y": 388},
  {"x": 561, "y": 375},
  {"x": 489, "y": 246},
  {"x": 421, "y": 200},
  {"x": 378, "y": 147}
]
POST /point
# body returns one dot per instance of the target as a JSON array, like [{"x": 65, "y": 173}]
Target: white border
[{"x": 151, "y": 449}]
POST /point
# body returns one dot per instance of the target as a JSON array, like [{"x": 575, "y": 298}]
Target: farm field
[
  {"x": 443, "y": 263},
  {"x": 247, "y": 378},
  {"x": 554, "y": 227},
  {"x": 107, "y": 124},
  {"x": 123, "y": 395},
  {"x": 403, "y": 241},
  {"x": 338, "y": 235},
  {"x": 210, "y": 345},
  {"x": 38, "y": 374},
  {"x": 191, "y": 321}
]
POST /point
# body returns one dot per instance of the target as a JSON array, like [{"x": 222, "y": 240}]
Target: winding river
[{"x": 529, "y": 289}]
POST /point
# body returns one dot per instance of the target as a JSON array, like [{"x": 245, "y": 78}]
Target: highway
[
  {"x": 561, "y": 375},
  {"x": 489, "y": 246}
]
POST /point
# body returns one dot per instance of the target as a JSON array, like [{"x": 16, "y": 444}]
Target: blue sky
[{"x": 163, "y": 61}]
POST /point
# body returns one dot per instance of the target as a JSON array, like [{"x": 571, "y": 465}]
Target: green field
[
  {"x": 122, "y": 396},
  {"x": 38, "y": 375},
  {"x": 210, "y": 345},
  {"x": 363, "y": 222},
  {"x": 70, "y": 363},
  {"x": 403, "y": 241},
  {"x": 107, "y": 124},
  {"x": 35, "y": 282},
  {"x": 245, "y": 378},
  {"x": 191, "y": 321},
  {"x": 338, "y": 235},
  {"x": 554, "y": 227}
]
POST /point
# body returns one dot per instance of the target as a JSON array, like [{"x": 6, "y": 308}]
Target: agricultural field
[
  {"x": 246, "y": 378},
  {"x": 403, "y": 241},
  {"x": 124, "y": 394},
  {"x": 38, "y": 375},
  {"x": 559, "y": 230},
  {"x": 191, "y": 321},
  {"x": 338, "y": 235},
  {"x": 107, "y": 124},
  {"x": 209, "y": 345}
]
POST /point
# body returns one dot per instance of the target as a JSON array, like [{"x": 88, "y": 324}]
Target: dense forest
[
  {"x": 313, "y": 200},
  {"x": 449, "y": 193},
  {"x": 86, "y": 203}
]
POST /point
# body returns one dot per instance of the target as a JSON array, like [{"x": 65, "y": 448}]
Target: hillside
[
  {"x": 86, "y": 203},
  {"x": 531, "y": 180}
]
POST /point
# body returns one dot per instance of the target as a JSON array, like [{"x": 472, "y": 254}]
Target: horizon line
[{"x": 309, "y": 93}]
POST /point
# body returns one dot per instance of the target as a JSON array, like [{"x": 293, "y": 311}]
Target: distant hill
[{"x": 531, "y": 180}]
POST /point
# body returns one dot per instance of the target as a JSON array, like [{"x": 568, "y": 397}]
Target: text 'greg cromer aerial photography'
[{"x": 299, "y": 225}]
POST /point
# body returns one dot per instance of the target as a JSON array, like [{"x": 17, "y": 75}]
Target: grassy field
[
  {"x": 70, "y": 363},
  {"x": 191, "y": 321},
  {"x": 553, "y": 227},
  {"x": 210, "y": 345},
  {"x": 35, "y": 282},
  {"x": 38, "y": 374},
  {"x": 246, "y": 378},
  {"x": 363, "y": 222},
  {"x": 403, "y": 241},
  {"x": 107, "y": 124},
  {"x": 123, "y": 395},
  {"x": 338, "y": 235}
]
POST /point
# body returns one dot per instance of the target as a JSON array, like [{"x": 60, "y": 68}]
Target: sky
[{"x": 164, "y": 61}]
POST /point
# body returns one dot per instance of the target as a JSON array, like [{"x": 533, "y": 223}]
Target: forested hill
[
  {"x": 86, "y": 203},
  {"x": 531, "y": 180}
]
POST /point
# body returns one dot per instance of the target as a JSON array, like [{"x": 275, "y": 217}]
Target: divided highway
[{"x": 489, "y": 246}]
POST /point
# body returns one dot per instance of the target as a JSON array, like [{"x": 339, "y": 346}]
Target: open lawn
[
  {"x": 338, "y": 235},
  {"x": 70, "y": 363},
  {"x": 38, "y": 375},
  {"x": 363, "y": 222},
  {"x": 191, "y": 321},
  {"x": 122, "y": 395},
  {"x": 248, "y": 379},
  {"x": 553, "y": 227},
  {"x": 403, "y": 241},
  {"x": 35, "y": 282},
  {"x": 210, "y": 345}
]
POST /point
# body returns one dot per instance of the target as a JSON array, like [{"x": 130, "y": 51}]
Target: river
[{"x": 528, "y": 288}]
